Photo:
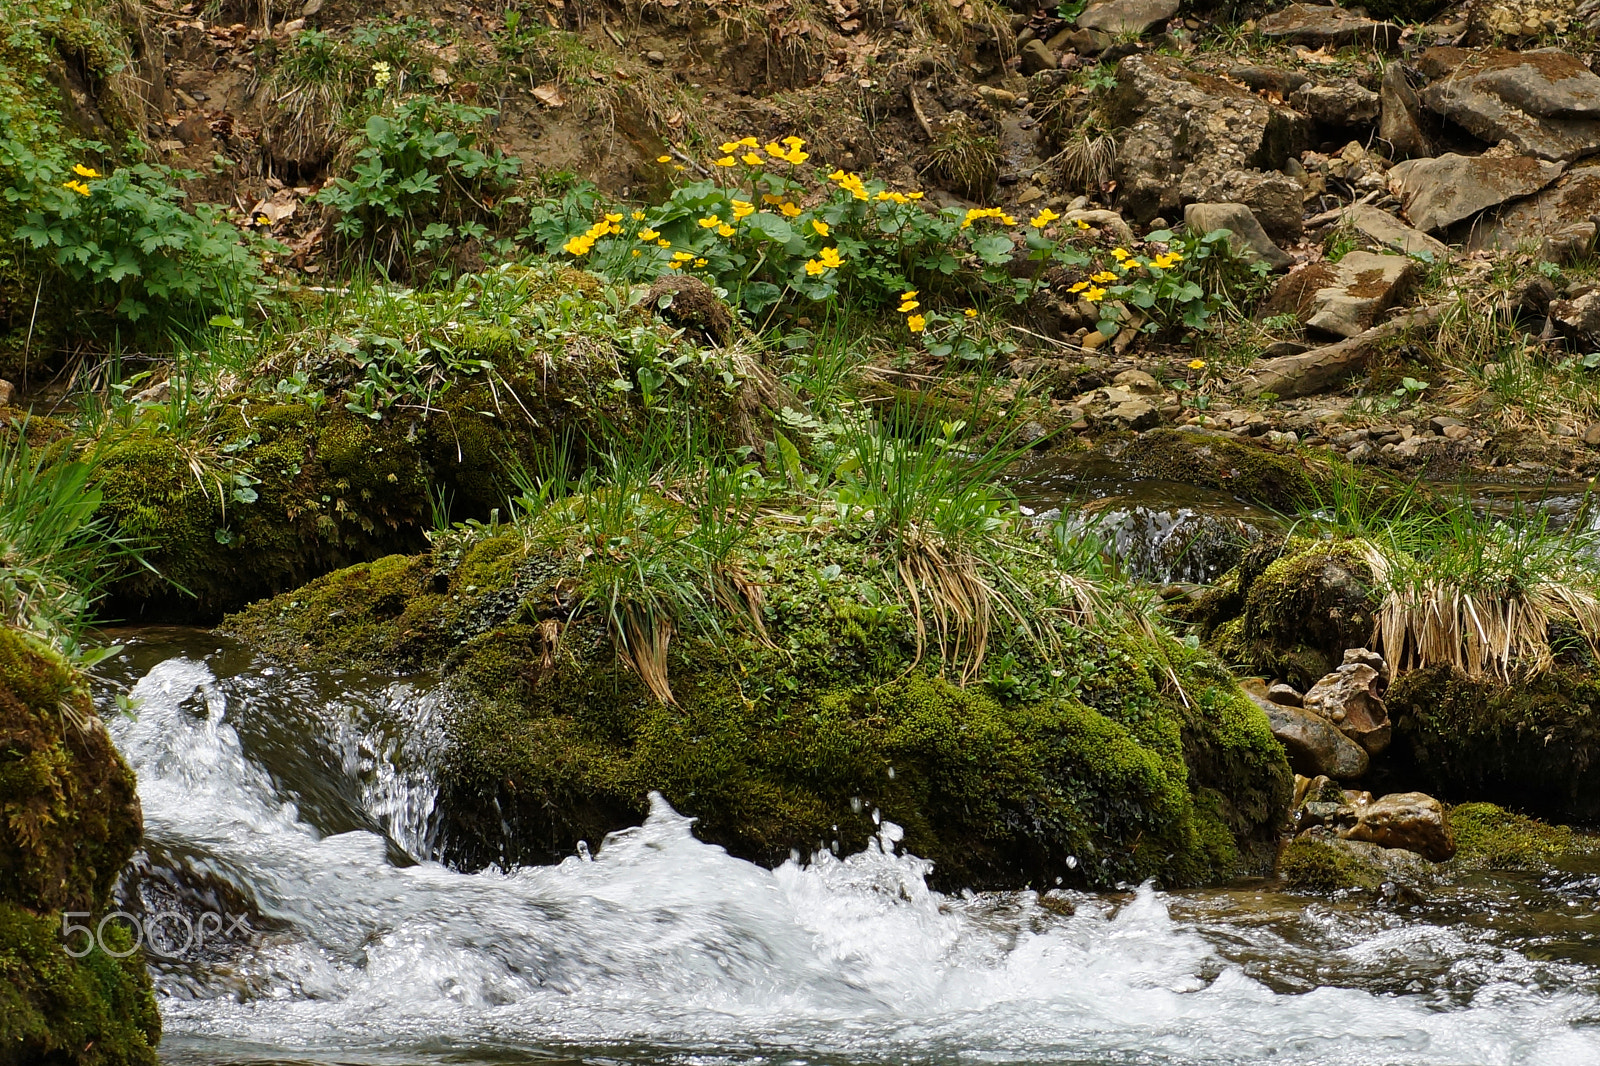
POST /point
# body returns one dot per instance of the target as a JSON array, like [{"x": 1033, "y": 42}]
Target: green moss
[
  {"x": 1084, "y": 763},
  {"x": 1248, "y": 470},
  {"x": 1494, "y": 838},
  {"x": 1323, "y": 866},
  {"x": 69, "y": 821},
  {"x": 1534, "y": 744}
]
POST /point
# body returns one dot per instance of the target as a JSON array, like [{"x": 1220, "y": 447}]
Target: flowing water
[{"x": 303, "y": 805}]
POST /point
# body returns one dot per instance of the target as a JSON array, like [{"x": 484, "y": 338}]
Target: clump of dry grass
[{"x": 964, "y": 160}]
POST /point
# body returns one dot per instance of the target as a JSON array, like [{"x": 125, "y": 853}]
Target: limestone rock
[
  {"x": 1269, "y": 79},
  {"x": 1249, "y": 239},
  {"x": 1137, "y": 381},
  {"x": 1345, "y": 104},
  {"x": 1117, "y": 17},
  {"x": 1436, "y": 193},
  {"x": 1573, "y": 200},
  {"x": 1401, "y": 121},
  {"x": 1412, "y": 821},
  {"x": 1137, "y": 414},
  {"x": 1382, "y": 228},
  {"x": 1036, "y": 57},
  {"x": 1286, "y": 694},
  {"x": 1307, "y": 373},
  {"x": 1364, "y": 286},
  {"x": 1579, "y": 318},
  {"x": 1193, "y": 137},
  {"x": 1546, "y": 103},
  {"x": 1315, "y": 747},
  {"x": 1352, "y": 699},
  {"x": 1327, "y": 26}
]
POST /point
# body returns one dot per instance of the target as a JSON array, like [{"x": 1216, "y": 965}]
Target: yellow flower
[
  {"x": 813, "y": 267},
  {"x": 85, "y": 172},
  {"x": 820, "y": 226},
  {"x": 752, "y": 160},
  {"x": 915, "y": 323},
  {"x": 1105, "y": 277},
  {"x": 579, "y": 245},
  {"x": 749, "y": 142},
  {"x": 1197, "y": 364},
  {"x": 728, "y": 147},
  {"x": 1095, "y": 295},
  {"x": 76, "y": 186},
  {"x": 797, "y": 157},
  {"x": 1119, "y": 254},
  {"x": 915, "y": 195},
  {"x": 636, "y": 253},
  {"x": 709, "y": 222},
  {"x": 830, "y": 257},
  {"x": 682, "y": 257},
  {"x": 1079, "y": 286},
  {"x": 725, "y": 161},
  {"x": 263, "y": 220},
  {"x": 794, "y": 142},
  {"x": 789, "y": 210},
  {"x": 1007, "y": 220},
  {"x": 638, "y": 216},
  {"x": 1043, "y": 219},
  {"x": 775, "y": 150},
  {"x": 743, "y": 209},
  {"x": 380, "y": 74},
  {"x": 908, "y": 306},
  {"x": 678, "y": 166},
  {"x": 1082, "y": 224},
  {"x": 674, "y": 265},
  {"x": 664, "y": 243},
  {"x": 700, "y": 262},
  {"x": 648, "y": 234},
  {"x": 910, "y": 295},
  {"x": 772, "y": 198},
  {"x": 613, "y": 218},
  {"x": 1175, "y": 257},
  {"x": 726, "y": 230},
  {"x": 970, "y": 313},
  {"x": 663, "y": 159}
]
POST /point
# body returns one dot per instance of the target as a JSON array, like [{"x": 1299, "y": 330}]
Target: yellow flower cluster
[
  {"x": 583, "y": 243},
  {"x": 83, "y": 172},
  {"x": 381, "y": 73},
  {"x": 826, "y": 260},
  {"x": 1167, "y": 260},
  {"x": 898, "y": 197},
  {"x": 975, "y": 214},
  {"x": 908, "y": 305},
  {"x": 850, "y": 183},
  {"x": 788, "y": 150},
  {"x": 1043, "y": 218}
]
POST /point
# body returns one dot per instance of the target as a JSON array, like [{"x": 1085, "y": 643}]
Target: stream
[{"x": 300, "y": 808}]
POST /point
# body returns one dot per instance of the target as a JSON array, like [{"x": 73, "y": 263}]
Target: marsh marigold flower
[
  {"x": 789, "y": 210},
  {"x": 709, "y": 222},
  {"x": 1043, "y": 219},
  {"x": 76, "y": 186},
  {"x": 820, "y": 226},
  {"x": 916, "y": 323},
  {"x": 648, "y": 234},
  {"x": 725, "y": 161},
  {"x": 85, "y": 172},
  {"x": 726, "y": 230},
  {"x": 1095, "y": 295},
  {"x": 750, "y": 159},
  {"x": 743, "y": 209},
  {"x": 1197, "y": 364},
  {"x": 663, "y": 159}
]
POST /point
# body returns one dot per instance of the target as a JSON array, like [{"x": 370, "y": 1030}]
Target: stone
[
  {"x": 1326, "y": 26},
  {"x": 1286, "y": 694},
  {"x": 1345, "y": 104},
  {"x": 1137, "y": 381},
  {"x": 1352, "y": 699},
  {"x": 1579, "y": 318},
  {"x": 1380, "y": 227},
  {"x": 1314, "y": 746},
  {"x": 1269, "y": 79},
  {"x": 1118, "y": 17},
  {"x": 1437, "y": 193},
  {"x": 1571, "y": 202},
  {"x": 1400, "y": 121},
  {"x": 1107, "y": 220},
  {"x": 1364, "y": 286},
  {"x": 1411, "y": 821},
  {"x": 1193, "y": 137},
  {"x": 1545, "y": 103},
  {"x": 1248, "y": 239},
  {"x": 1037, "y": 58},
  {"x": 1591, "y": 435},
  {"x": 7, "y": 391},
  {"x": 1323, "y": 368},
  {"x": 1135, "y": 414},
  {"x": 1489, "y": 19},
  {"x": 1366, "y": 656},
  {"x": 1457, "y": 432}
]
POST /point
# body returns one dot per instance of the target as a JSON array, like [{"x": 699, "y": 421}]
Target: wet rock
[
  {"x": 1380, "y": 227},
  {"x": 1319, "y": 26},
  {"x": 1345, "y": 104},
  {"x": 1364, "y": 285},
  {"x": 1036, "y": 57},
  {"x": 1411, "y": 821},
  {"x": 1436, "y": 193},
  {"x": 1194, "y": 137},
  {"x": 1569, "y": 204},
  {"x": 1352, "y": 699},
  {"x": 1117, "y": 17},
  {"x": 1314, "y": 745},
  {"x": 1110, "y": 221},
  {"x": 7, "y": 391},
  {"x": 1249, "y": 238},
  {"x": 1320, "y": 860},
  {"x": 1286, "y": 694},
  {"x": 1545, "y": 103},
  {"x": 1400, "y": 123}
]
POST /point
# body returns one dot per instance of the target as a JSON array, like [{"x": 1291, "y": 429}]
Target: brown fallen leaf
[{"x": 549, "y": 95}]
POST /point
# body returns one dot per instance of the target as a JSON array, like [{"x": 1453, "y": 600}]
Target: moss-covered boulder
[
  {"x": 1216, "y": 461},
  {"x": 1076, "y": 752},
  {"x": 1289, "y": 609},
  {"x": 69, "y": 821},
  {"x": 1533, "y": 745},
  {"x": 1491, "y": 837}
]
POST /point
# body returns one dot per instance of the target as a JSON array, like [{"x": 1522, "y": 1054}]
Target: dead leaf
[
  {"x": 440, "y": 76},
  {"x": 549, "y": 95},
  {"x": 274, "y": 211}
]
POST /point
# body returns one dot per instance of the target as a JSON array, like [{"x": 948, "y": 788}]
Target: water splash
[{"x": 660, "y": 948}]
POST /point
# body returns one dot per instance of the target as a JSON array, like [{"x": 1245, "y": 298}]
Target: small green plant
[{"x": 1409, "y": 390}]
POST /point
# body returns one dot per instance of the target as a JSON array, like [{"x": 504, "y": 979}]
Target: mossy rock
[
  {"x": 1533, "y": 745},
  {"x": 1494, "y": 838},
  {"x": 1248, "y": 470},
  {"x": 1325, "y": 866},
  {"x": 69, "y": 822},
  {"x": 1113, "y": 758}
]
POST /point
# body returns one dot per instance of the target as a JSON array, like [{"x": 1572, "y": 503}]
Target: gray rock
[
  {"x": 1364, "y": 286},
  {"x": 1314, "y": 746},
  {"x": 1573, "y": 200},
  {"x": 1325, "y": 26},
  {"x": 1579, "y": 318},
  {"x": 1126, "y": 16},
  {"x": 1346, "y": 104},
  {"x": 1411, "y": 821},
  {"x": 1191, "y": 137},
  {"x": 1248, "y": 239},
  {"x": 1352, "y": 699},
  {"x": 1135, "y": 414},
  {"x": 7, "y": 391},
  {"x": 1137, "y": 381},
  {"x": 1437, "y": 193},
  {"x": 1269, "y": 79},
  {"x": 1036, "y": 57},
  {"x": 1546, "y": 103},
  {"x": 1401, "y": 121},
  {"x": 1382, "y": 228}
]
